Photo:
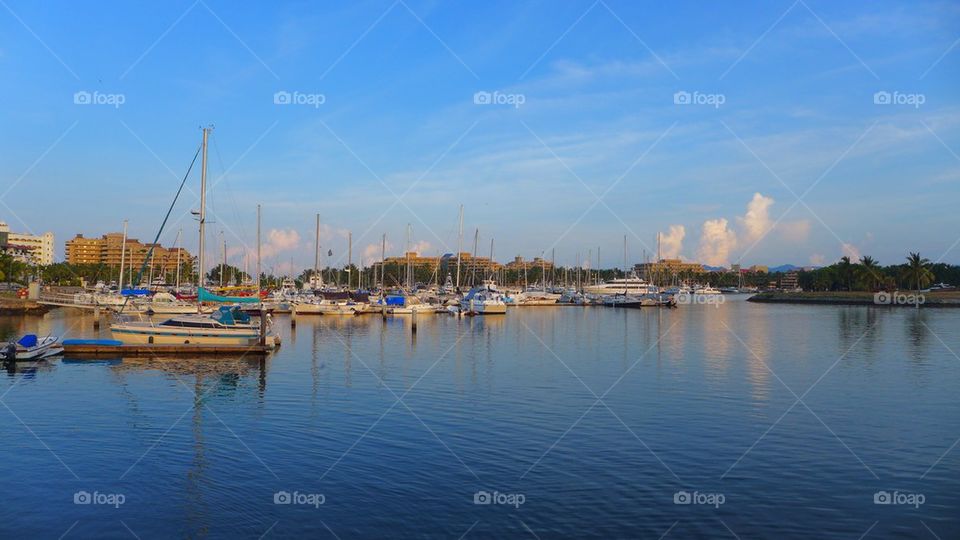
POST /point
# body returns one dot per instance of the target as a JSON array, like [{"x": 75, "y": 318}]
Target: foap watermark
[
  {"x": 305, "y": 499},
  {"x": 914, "y": 100},
  {"x": 709, "y": 499},
  {"x": 898, "y": 498},
  {"x": 105, "y": 499},
  {"x": 98, "y": 98},
  {"x": 897, "y": 298},
  {"x": 499, "y": 98},
  {"x": 696, "y": 298},
  {"x": 508, "y": 499},
  {"x": 683, "y": 97},
  {"x": 299, "y": 98}
]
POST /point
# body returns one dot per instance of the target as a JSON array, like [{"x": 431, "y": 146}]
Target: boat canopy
[
  {"x": 29, "y": 340},
  {"x": 206, "y": 296},
  {"x": 229, "y": 315},
  {"x": 135, "y": 292}
]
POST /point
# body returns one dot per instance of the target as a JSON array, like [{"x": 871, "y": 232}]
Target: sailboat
[{"x": 225, "y": 326}]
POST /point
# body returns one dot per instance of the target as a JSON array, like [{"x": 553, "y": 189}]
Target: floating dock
[{"x": 114, "y": 348}]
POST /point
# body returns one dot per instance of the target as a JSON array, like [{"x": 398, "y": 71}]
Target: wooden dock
[{"x": 163, "y": 350}]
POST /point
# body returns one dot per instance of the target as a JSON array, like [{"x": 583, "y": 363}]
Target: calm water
[{"x": 783, "y": 421}]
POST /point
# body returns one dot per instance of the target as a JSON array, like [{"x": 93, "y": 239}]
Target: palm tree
[
  {"x": 868, "y": 272},
  {"x": 845, "y": 270},
  {"x": 917, "y": 272}
]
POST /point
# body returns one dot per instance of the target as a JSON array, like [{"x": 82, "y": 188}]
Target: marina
[{"x": 495, "y": 397}]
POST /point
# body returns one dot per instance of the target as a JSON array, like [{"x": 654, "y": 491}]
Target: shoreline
[
  {"x": 20, "y": 306},
  {"x": 949, "y": 299}
]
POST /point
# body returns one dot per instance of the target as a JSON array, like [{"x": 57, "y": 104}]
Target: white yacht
[
  {"x": 706, "y": 290},
  {"x": 629, "y": 285},
  {"x": 484, "y": 300}
]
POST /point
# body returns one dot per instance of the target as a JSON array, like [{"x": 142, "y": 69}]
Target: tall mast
[
  {"x": 491, "y": 257},
  {"x": 383, "y": 263},
  {"x": 203, "y": 211},
  {"x": 409, "y": 277},
  {"x": 179, "y": 250},
  {"x": 223, "y": 265},
  {"x": 316, "y": 254},
  {"x": 349, "y": 259},
  {"x": 459, "y": 246},
  {"x": 259, "y": 298},
  {"x": 473, "y": 271},
  {"x": 123, "y": 253}
]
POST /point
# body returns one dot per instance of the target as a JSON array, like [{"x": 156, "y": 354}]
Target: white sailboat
[{"x": 225, "y": 326}]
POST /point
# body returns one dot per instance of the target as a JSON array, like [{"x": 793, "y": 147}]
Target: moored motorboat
[{"x": 30, "y": 347}]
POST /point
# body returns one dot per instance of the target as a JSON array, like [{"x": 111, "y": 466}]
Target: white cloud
[
  {"x": 756, "y": 222},
  {"x": 817, "y": 259},
  {"x": 671, "y": 243},
  {"x": 371, "y": 253},
  {"x": 716, "y": 242},
  {"x": 851, "y": 251}
]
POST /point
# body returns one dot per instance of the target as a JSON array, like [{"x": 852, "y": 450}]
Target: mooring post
[
  {"x": 293, "y": 315},
  {"x": 413, "y": 322},
  {"x": 383, "y": 312},
  {"x": 96, "y": 317},
  {"x": 263, "y": 328}
]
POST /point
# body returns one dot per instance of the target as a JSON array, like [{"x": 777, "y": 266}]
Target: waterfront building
[
  {"x": 669, "y": 267},
  {"x": 28, "y": 248},
  {"x": 519, "y": 264},
  {"x": 109, "y": 248},
  {"x": 789, "y": 281},
  {"x": 468, "y": 263}
]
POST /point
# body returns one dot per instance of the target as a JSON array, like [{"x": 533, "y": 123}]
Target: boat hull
[{"x": 133, "y": 334}]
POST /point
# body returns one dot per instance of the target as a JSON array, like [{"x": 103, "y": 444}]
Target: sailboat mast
[
  {"x": 624, "y": 263},
  {"x": 203, "y": 212},
  {"x": 349, "y": 259},
  {"x": 316, "y": 254},
  {"x": 473, "y": 271},
  {"x": 459, "y": 246},
  {"x": 383, "y": 262},
  {"x": 123, "y": 253},
  {"x": 491, "y": 257},
  {"x": 259, "y": 298},
  {"x": 223, "y": 267},
  {"x": 179, "y": 250}
]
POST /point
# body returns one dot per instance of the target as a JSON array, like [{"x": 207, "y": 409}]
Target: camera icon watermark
[
  {"x": 84, "y": 97},
  {"x": 299, "y": 98},
  {"x": 683, "y": 97},
  {"x": 507, "y": 499},
  {"x": 498, "y": 98},
  {"x": 897, "y": 298},
  {"x": 106, "y": 499},
  {"x": 696, "y": 497},
  {"x": 694, "y": 298},
  {"x": 315, "y": 500},
  {"x": 898, "y": 498},
  {"x": 914, "y": 100}
]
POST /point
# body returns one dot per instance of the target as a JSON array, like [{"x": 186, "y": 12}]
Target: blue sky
[{"x": 783, "y": 106}]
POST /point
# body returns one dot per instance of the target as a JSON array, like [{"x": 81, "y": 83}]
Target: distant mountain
[
  {"x": 714, "y": 268},
  {"x": 784, "y": 268}
]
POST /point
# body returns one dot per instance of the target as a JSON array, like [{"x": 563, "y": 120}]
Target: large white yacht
[{"x": 628, "y": 285}]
